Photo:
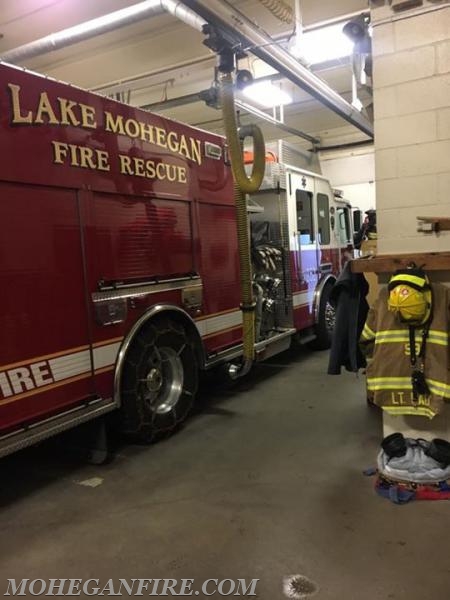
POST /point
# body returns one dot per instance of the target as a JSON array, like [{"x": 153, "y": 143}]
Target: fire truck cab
[
  {"x": 119, "y": 265},
  {"x": 296, "y": 219}
]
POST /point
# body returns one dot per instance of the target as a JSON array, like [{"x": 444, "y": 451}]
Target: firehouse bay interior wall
[{"x": 412, "y": 145}]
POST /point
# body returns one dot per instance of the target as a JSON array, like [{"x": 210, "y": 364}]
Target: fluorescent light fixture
[
  {"x": 266, "y": 94},
  {"x": 326, "y": 43}
]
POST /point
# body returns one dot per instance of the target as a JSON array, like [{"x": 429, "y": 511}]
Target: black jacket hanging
[{"x": 348, "y": 297}]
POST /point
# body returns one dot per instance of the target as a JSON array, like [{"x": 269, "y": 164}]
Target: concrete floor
[{"x": 265, "y": 482}]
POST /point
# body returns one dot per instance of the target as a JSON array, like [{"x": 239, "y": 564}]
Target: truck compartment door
[{"x": 45, "y": 355}]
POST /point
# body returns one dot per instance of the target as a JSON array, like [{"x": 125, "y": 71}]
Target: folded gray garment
[{"x": 415, "y": 466}]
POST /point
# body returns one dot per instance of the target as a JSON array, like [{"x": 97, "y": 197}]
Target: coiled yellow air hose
[{"x": 243, "y": 185}]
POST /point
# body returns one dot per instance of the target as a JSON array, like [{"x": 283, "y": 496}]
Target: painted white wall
[
  {"x": 354, "y": 174},
  {"x": 360, "y": 195},
  {"x": 348, "y": 168}
]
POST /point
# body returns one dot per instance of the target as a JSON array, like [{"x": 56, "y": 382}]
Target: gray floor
[{"x": 265, "y": 482}]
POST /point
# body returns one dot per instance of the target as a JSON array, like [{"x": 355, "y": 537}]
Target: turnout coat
[{"x": 386, "y": 343}]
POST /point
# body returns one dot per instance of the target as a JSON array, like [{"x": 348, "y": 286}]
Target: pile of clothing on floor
[{"x": 413, "y": 469}]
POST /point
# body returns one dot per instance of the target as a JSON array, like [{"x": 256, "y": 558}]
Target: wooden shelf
[
  {"x": 388, "y": 263},
  {"x": 433, "y": 224}
]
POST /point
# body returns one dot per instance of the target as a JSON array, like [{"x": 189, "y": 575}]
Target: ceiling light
[
  {"x": 267, "y": 95},
  {"x": 326, "y": 43}
]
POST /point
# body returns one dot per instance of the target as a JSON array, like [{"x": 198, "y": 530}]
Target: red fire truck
[{"x": 118, "y": 261}]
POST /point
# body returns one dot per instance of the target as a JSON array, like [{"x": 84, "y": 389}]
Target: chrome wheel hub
[
  {"x": 154, "y": 380},
  {"x": 163, "y": 384}
]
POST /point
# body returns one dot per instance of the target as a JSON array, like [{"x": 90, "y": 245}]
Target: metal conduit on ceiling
[
  {"x": 246, "y": 33},
  {"x": 194, "y": 13},
  {"x": 133, "y": 81},
  {"x": 101, "y": 25}
]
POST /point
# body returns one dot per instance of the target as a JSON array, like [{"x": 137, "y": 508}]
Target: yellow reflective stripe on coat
[
  {"x": 395, "y": 336},
  {"x": 435, "y": 337},
  {"x": 439, "y": 387},
  {"x": 375, "y": 384},
  {"x": 410, "y": 410},
  {"x": 367, "y": 333}
]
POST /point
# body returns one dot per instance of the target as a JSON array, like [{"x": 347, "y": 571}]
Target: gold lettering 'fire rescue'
[{"x": 25, "y": 378}]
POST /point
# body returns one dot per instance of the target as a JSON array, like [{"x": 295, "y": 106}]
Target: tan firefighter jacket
[{"x": 386, "y": 342}]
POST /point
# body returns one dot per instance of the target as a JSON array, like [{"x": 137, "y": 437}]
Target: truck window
[
  {"x": 357, "y": 219},
  {"x": 323, "y": 218},
  {"x": 344, "y": 226},
  {"x": 305, "y": 224}
]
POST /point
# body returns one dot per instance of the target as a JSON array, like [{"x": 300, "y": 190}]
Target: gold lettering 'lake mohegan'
[{"x": 64, "y": 112}]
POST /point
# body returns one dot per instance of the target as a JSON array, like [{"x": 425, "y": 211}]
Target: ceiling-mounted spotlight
[
  {"x": 243, "y": 79},
  {"x": 357, "y": 30}
]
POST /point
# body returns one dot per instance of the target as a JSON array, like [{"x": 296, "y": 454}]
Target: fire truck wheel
[
  {"x": 325, "y": 323},
  {"x": 159, "y": 380}
]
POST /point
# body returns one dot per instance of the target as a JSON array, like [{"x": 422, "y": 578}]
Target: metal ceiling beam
[
  {"x": 217, "y": 13},
  {"x": 197, "y": 97},
  {"x": 249, "y": 36},
  {"x": 278, "y": 124}
]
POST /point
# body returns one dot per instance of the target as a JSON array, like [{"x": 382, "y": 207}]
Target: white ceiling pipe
[
  {"x": 215, "y": 12},
  {"x": 234, "y": 23},
  {"x": 296, "y": 43},
  {"x": 133, "y": 81},
  {"x": 183, "y": 13},
  {"x": 104, "y": 24}
]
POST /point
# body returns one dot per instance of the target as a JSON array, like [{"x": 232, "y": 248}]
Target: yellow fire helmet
[{"x": 410, "y": 296}]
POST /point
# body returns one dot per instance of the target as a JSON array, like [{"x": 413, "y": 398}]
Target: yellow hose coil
[
  {"x": 247, "y": 185},
  {"x": 243, "y": 185}
]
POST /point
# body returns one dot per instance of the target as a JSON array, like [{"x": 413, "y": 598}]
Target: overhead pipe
[
  {"x": 225, "y": 17},
  {"x": 298, "y": 18},
  {"x": 249, "y": 35},
  {"x": 101, "y": 25},
  {"x": 278, "y": 124},
  {"x": 197, "y": 97},
  {"x": 295, "y": 44},
  {"x": 133, "y": 82},
  {"x": 142, "y": 80},
  {"x": 343, "y": 146},
  {"x": 179, "y": 10}
]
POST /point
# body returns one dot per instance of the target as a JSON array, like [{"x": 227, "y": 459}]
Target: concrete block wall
[
  {"x": 412, "y": 145},
  {"x": 412, "y": 124}
]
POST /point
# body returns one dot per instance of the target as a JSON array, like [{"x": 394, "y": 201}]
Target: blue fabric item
[
  {"x": 395, "y": 494},
  {"x": 370, "y": 472}
]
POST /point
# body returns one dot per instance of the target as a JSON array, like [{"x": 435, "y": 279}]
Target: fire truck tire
[
  {"x": 159, "y": 380},
  {"x": 325, "y": 322}
]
